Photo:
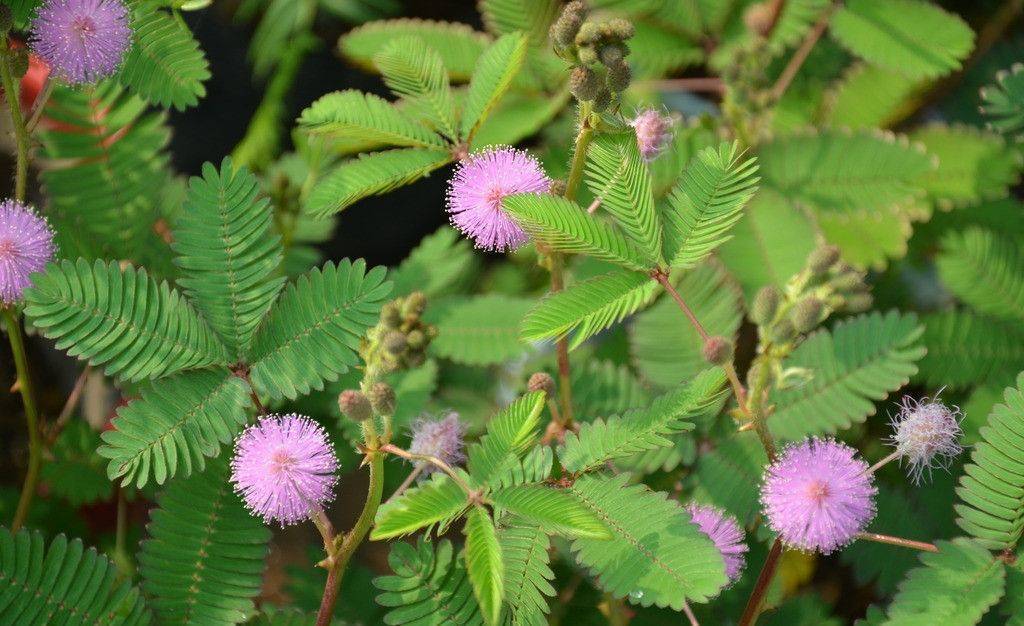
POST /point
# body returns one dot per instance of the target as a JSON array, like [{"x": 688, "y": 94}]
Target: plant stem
[
  {"x": 409, "y": 480},
  {"x": 801, "y": 54},
  {"x": 69, "y": 406},
  {"x": 39, "y": 105},
  {"x": 35, "y": 440},
  {"x": 689, "y": 614},
  {"x": 352, "y": 540},
  {"x": 764, "y": 579},
  {"x": 899, "y": 541},
  {"x": 444, "y": 467},
  {"x": 11, "y": 92},
  {"x": 895, "y": 454}
]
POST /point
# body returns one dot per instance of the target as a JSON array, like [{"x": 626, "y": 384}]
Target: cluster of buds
[
  {"x": 597, "y": 49},
  {"x": 359, "y": 406},
  {"x": 400, "y": 339}
]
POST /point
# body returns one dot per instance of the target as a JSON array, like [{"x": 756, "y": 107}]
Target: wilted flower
[
  {"x": 653, "y": 130},
  {"x": 926, "y": 434},
  {"x": 26, "y": 246},
  {"x": 725, "y": 531},
  {"x": 817, "y": 496},
  {"x": 477, "y": 188},
  {"x": 82, "y": 40},
  {"x": 441, "y": 438},
  {"x": 284, "y": 468}
]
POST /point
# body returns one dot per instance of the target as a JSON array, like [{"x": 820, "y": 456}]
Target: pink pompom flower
[
  {"x": 82, "y": 40},
  {"x": 441, "y": 438},
  {"x": 26, "y": 246},
  {"x": 284, "y": 468},
  {"x": 653, "y": 131},
  {"x": 725, "y": 531},
  {"x": 818, "y": 495},
  {"x": 926, "y": 434},
  {"x": 477, "y": 188}
]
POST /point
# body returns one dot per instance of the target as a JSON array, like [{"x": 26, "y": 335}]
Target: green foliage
[
  {"x": 1004, "y": 102},
  {"x": 589, "y": 307},
  {"x": 602, "y": 388},
  {"x": 76, "y": 473},
  {"x": 481, "y": 330},
  {"x": 312, "y": 332},
  {"x": 459, "y": 45},
  {"x": 984, "y": 269},
  {"x": 416, "y": 72},
  {"x": 913, "y": 37},
  {"x": 121, "y": 318},
  {"x": 443, "y": 262},
  {"x": 509, "y": 435},
  {"x": 973, "y": 165},
  {"x": 656, "y": 556},
  {"x": 175, "y": 424},
  {"x": 228, "y": 254},
  {"x": 484, "y": 564},
  {"x": 433, "y": 504},
  {"x": 493, "y": 75},
  {"x": 729, "y": 475},
  {"x": 204, "y": 560},
  {"x": 639, "y": 430},
  {"x": 707, "y": 202},
  {"x": 429, "y": 586},
  {"x": 359, "y": 116},
  {"x": 966, "y": 349},
  {"x": 859, "y": 362},
  {"x": 555, "y": 511},
  {"x": 529, "y": 16},
  {"x": 869, "y": 96},
  {"x": 528, "y": 576},
  {"x": 63, "y": 583},
  {"x": 991, "y": 490},
  {"x": 165, "y": 65}
]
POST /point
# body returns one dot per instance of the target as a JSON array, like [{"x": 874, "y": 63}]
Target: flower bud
[
  {"x": 395, "y": 342},
  {"x": 542, "y": 381},
  {"x": 586, "y": 55},
  {"x": 717, "y": 350},
  {"x": 766, "y": 304},
  {"x": 821, "y": 259},
  {"x": 758, "y": 18},
  {"x": 589, "y": 33},
  {"x": 849, "y": 280},
  {"x": 584, "y": 83},
  {"x": 416, "y": 340},
  {"x": 564, "y": 30},
  {"x": 806, "y": 314},
  {"x": 619, "y": 76},
  {"x": 857, "y": 302},
  {"x": 602, "y": 101},
  {"x": 558, "y": 187},
  {"x": 414, "y": 305},
  {"x": 382, "y": 398},
  {"x": 612, "y": 54},
  {"x": 619, "y": 29},
  {"x": 782, "y": 331},
  {"x": 354, "y": 405},
  {"x": 390, "y": 315}
]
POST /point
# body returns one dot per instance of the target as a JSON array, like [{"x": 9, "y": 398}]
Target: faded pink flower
[
  {"x": 26, "y": 246},
  {"x": 441, "y": 438},
  {"x": 653, "y": 131},
  {"x": 926, "y": 434},
  {"x": 725, "y": 531}
]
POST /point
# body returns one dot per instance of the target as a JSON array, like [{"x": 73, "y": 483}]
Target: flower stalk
[
  {"x": 21, "y": 137},
  {"x": 35, "y": 440}
]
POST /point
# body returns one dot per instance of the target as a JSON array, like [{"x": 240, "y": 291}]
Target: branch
[
  {"x": 801, "y": 54},
  {"x": 899, "y": 541},
  {"x": 764, "y": 579}
]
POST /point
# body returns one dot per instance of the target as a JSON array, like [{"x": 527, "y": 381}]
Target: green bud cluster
[
  {"x": 400, "y": 339},
  {"x": 598, "y": 51}
]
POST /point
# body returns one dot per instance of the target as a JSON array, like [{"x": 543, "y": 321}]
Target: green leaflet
[
  {"x": 588, "y": 307},
  {"x": 174, "y": 426},
  {"x": 76, "y": 473},
  {"x": 656, "y": 556},
  {"x": 509, "y": 435},
  {"x": 728, "y": 476},
  {"x": 869, "y": 96},
  {"x": 63, "y": 583},
  {"x": 657, "y": 50},
  {"x": 973, "y": 165},
  {"x": 370, "y": 175},
  {"x": 479, "y": 330},
  {"x": 432, "y": 505},
  {"x": 121, "y": 319},
  {"x": 912, "y": 37},
  {"x": 493, "y": 75},
  {"x": 312, "y": 332},
  {"x": 458, "y": 45},
  {"x": 618, "y": 177},
  {"x": 966, "y": 349},
  {"x": 861, "y": 360},
  {"x": 532, "y": 17},
  {"x": 554, "y": 510},
  {"x": 202, "y": 533},
  {"x": 1004, "y": 102},
  {"x": 165, "y": 64},
  {"x": 984, "y": 269},
  {"x": 528, "y": 576},
  {"x": 642, "y": 429},
  {"x": 991, "y": 490},
  {"x": 602, "y": 388},
  {"x": 707, "y": 202},
  {"x": 416, "y": 72},
  {"x": 356, "y": 116},
  {"x": 228, "y": 253},
  {"x": 429, "y": 583},
  {"x": 484, "y": 564},
  {"x": 566, "y": 226},
  {"x": 442, "y": 263}
]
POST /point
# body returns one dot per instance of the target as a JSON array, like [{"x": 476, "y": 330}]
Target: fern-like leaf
[
  {"x": 532, "y": 17},
  {"x": 974, "y": 165},
  {"x": 493, "y": 75},
  {"x": 204, "y": 560},
  {"x": 481, "y": 330},
  {"x": 433, "y": 504},
  {"x": 524, "y": 550},
  {"x": 566, "y": 226},
  {"x": 75, "y": 473},
  {"x": 416, "y": 72},
  {"x": 174, "y": 426},
  {"x": 553, "y": 509},
  {"x": 729, "y": 475},
  {"x": 165, "y": 65},
  {"x": 484, "y": 564},
  {"x": 312, "y": 332},
  {"x": 509, "y": 435},
  {"x": 441, "y": 264},
  {"x": 357, "y": 116},
  {"x": 966, "y": 349},
  {"x": 588, "y": 307},
  {"x": 228, "y": 253},
  {"x": 459, "y": 45},
  {"x": 120, "y": 318},
  {"x": 986, "y": 270},
  {"x": 1004, "y": 102},
  {"x": 862, "y": 360},
  {"x": 603, "y": 388},
  {"x": 63, "y": 583},
  {"x": 429, "y": 585}
]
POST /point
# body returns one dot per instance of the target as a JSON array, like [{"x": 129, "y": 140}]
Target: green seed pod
[
  {"x": 821, "y": 259},
  {"x": 766, "y": 304},
  {"x": 806, "y": 314},
  {"x": 382, "y": 398},
  {"x": 542, "y": 381},
  {"x": 618, "y": 77},
  {"x": 717, "y": 350},
  {"x": 782, "y": 331},
  {"x": 354, "y": 405},
  {"x": 584, "y": 83}
]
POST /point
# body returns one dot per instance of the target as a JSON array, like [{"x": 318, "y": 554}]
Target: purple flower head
[
  {"x": 284, "y": 468},
  {"x": 82, "y": 40},
  {"x": 817, "y": 496},
  {"x": 653, "y": 131},
  {"x": 477, "y": 187},
  {"x": 926, "y": 434},
  {"x": 726, "y": 533},
  {"x": 26, "y": 246},
  {"x": 441, "y": 438}
]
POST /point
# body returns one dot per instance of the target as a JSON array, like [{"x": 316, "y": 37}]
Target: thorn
[{"x": 16, "y": 387}]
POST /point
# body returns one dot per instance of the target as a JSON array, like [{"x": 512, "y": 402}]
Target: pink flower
[
  {"x": 653, "y": 131},
  {"x": 82, "y": 40},
  {"x": 927, "y": 435},
  {"x": 817, "y": 496},
  {"x": 439, "y": 438},
  {"x": 477, "y": 188},
  {"x": 725, "y": 532},
  {"x": 284, "y": 468},
  {"x": 26, "y": 246}
]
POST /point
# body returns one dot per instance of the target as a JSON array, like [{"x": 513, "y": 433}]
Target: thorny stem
[
  {"x": 801, "y": 54},
  {"x": 899, "y": 541},
  {"x": 35, "y": 440},
  {"x": 444, "y": 467},
  {"x": 21, "y": 137},
  {"x": 764, "y": 579}
]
